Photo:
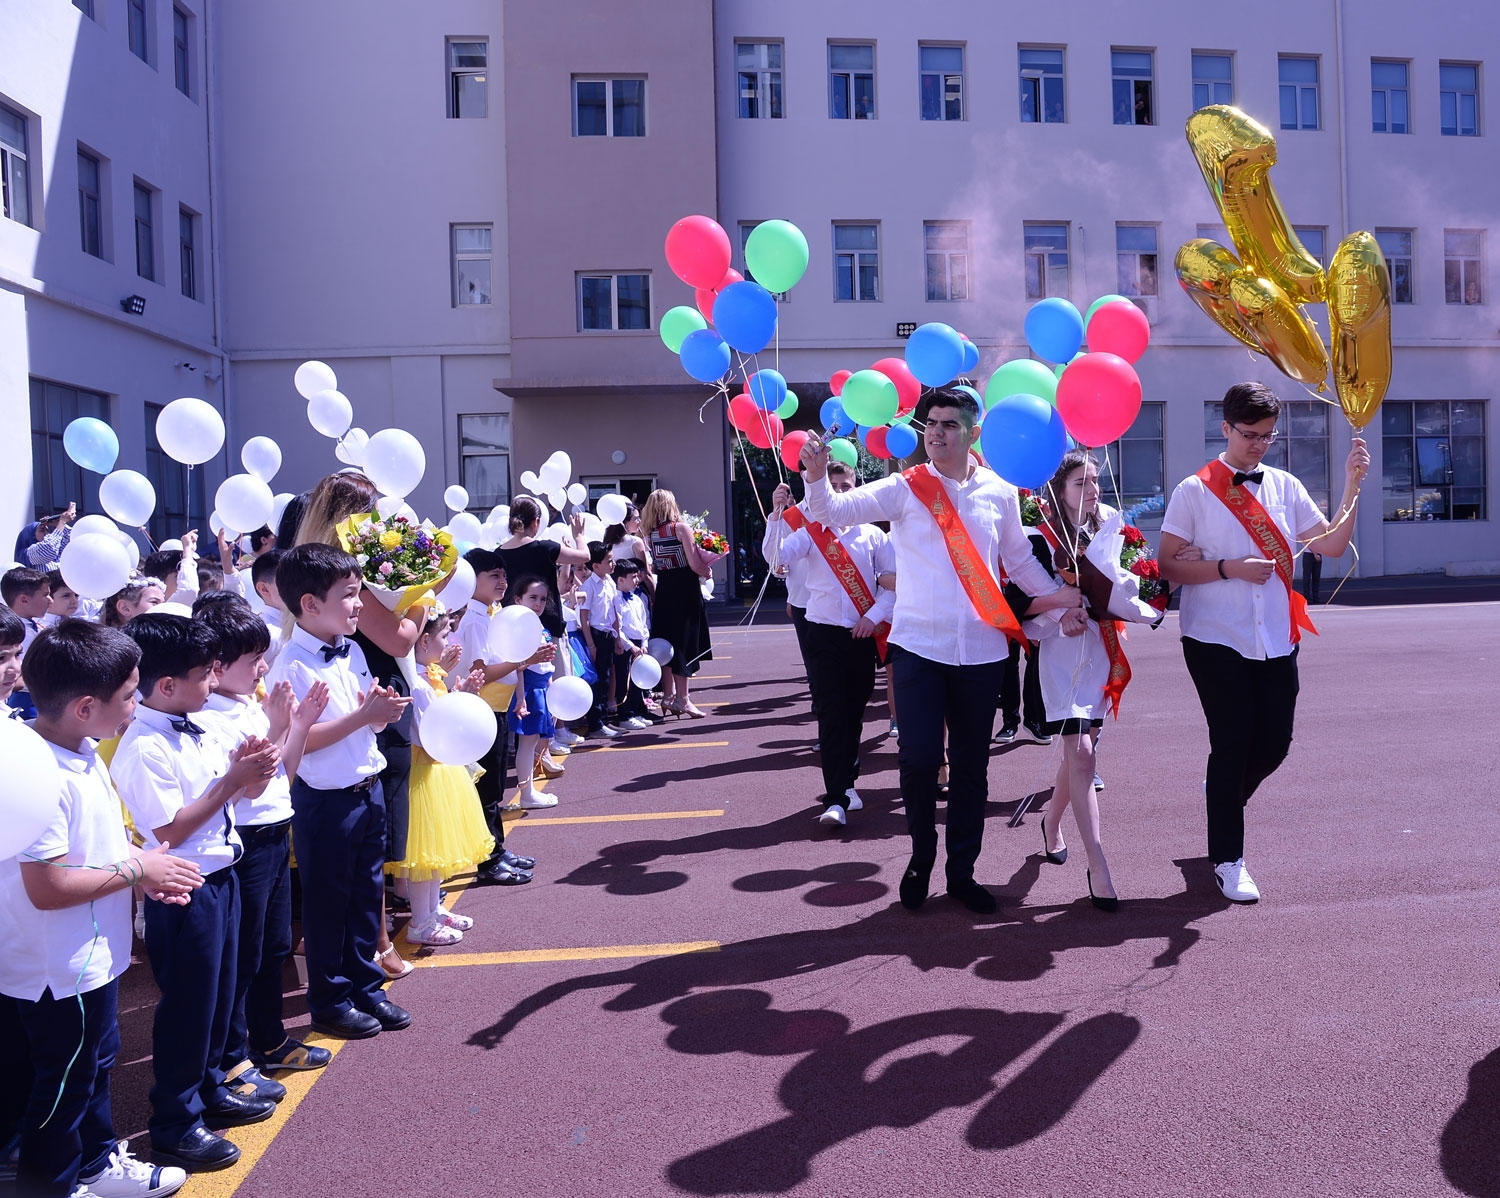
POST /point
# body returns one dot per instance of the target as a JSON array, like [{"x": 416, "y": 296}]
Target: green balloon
[
  {"x": 1099, "y": 303},
  {"x": 1020, "y": 376},
  {"x": 788, "y": 406},
  {"x": 841, "y": 449},
  {"x": 1058, "y": 371},
  {"x": 776, "y": 253},
  {"x": 677, "y": 323},
  {"x": 870, "y": 397}
]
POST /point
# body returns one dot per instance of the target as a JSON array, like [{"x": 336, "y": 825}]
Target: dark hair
[
  {"x": 12, "y": 628},
  {"x": 614, "y": 534},
  {"x": 952, "y": 397},
  {"x": 625, "y": 566},
  {"x": 171, "y": 647},
  {"x": 291, "y": 517},
  {"x": 210, "y": 575},
  {"x": 161, "y": 564},
  {"x": 210, "y": 599},
  {"x": 1250, "y": 403},
  {"x": 23, "y": 580},
  {"x": 259, "y": 537},
  {"x": 263, "y": 568},
  {"x": 524, "y": 584},
  {"x": 598, "y": 551},
  {"x": 484, "y": 560},
  {"x": 312, "y": 568},
  {"x": 135, "y": 586},
  {"x": 239, "y": 629},
  {"x": 524, "y": 512},
  {"x": 1052, "y": 493},
  {"x": 75, "y": 659}
]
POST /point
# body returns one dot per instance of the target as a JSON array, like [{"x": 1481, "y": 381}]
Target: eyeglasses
[{"x": 1257, "y": 438}]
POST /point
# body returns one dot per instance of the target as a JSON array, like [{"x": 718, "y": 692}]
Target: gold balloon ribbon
[{"x": 1359, "y": 317}]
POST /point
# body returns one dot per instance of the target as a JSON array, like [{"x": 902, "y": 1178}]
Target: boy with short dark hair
[
  {"x": 63, "y": 600},
  {"x": 28, "y": 593},
  {"x": 266, "y": 601},
  {"x": 12, "y": 649},
  {"x": 596, "y": 620},
  {"x": 634, "y": 626}
]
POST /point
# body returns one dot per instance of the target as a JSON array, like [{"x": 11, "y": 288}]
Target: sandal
[
  {"x": 688, "y": 709},
  {"x": 401, "y": 969},
  {"x": 450, "y": 919},
  {"x": 434, "y": 932}
]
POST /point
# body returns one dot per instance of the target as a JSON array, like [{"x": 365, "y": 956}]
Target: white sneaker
[
  {"x": 566, "y": 736},
  {"x": 127, "y": 1177},
  {"x": 557, "y": 749},
  {"x": 635, "y": 723},
  {"x": 534, "y": 801},
  {"x": 855, "y": 802},
  {"x": 607, "y": 732},
  {"x": 832, "y": 815},
  {"x": 1235, "y": 882}
]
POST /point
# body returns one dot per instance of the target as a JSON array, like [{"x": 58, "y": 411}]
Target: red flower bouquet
[{"x": 1134, "y": 556}]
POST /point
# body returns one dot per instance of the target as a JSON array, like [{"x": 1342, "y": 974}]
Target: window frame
[
  {"x": 182, "y": 50},
  {"x": 1044, "y": 267},
  {"x": 1284, "y": 452},
  {"x": 458, "y": 75},
  {"x": 456, "y": 257},
  {"x": 1134, "y": 290},
  {"x": 1116, "y": 459},
  {"x": 1119, "y": 74},
  {"x": 10, "y": 187},
  {"x": 1208, "y": 82},
  {"x": 86, "y": 7},
  {"x": 141, "y": 190},
  {"x": 1386, "y": 92},
  {"x": 944, "y": 76},
  {"x": 55, "y": 476},
  {"x": 1306, "y": 233},
  {"x": 856, "y": 265},
  {"x": 614, "y": 277},
  {"x": 1458, "y": 94},
  {"x": 948, "y": 257},
  {"x": 612, "y": 103},
  {"x": 1397, "y": 444},
  {"x": 187, "y": 251},
  {"x": 1410, "y": 259},
  {"x": 1037, "y": 77},
  {"x": 100, "y": 209},
  {"x": 769, "y": 82},
  {"x": 1299, "y": 88},
  {"x": 1464, "y": 261},
  {"x": 138, "y": 27},
  {"x": 465, "y": 456},
  {"x": 850, "y": 77}
]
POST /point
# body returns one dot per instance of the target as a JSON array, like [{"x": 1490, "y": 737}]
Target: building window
[
  {"x": 1046, "y": 260},
  {"x": 609, "y": 302},
  {"x": 1395, "y": 244},
  {"x": 1463, "y": 252},
  {"x": 90, "y": 204},
  {"x": 468, "y": 79},
  {"x": 1041, "y": 85},
  {"x": 15, "y": 169},
  {"x": 609, "y": 108},
  {"x": 942, "y": 81},
  {"x": 138, "y": 29},
  {"x": 1216, "y": 233},
  {"x": 56, "y": 480},
  {"x": 1314, "y": 240},
  {"x": 484, "y": 459},
  {"x": 1301, "y": 444},
  {"x": 1299, "y": 91},
  {"x": 758, "y": 79},
  {"x": 1458, "y": 99},
  {"x": 1135, "y": 259},
  {"x": 1131, "y": 73},
  {"x": 851, "y": 81},
  {"x": 1388, "y": 97},
  {"x": 187, "y": 251},
  {"x": 86, "y": 7},
  {"x": 946, "y": 245},
  {"x": 1136, "y": 464},
  {"x": 181, "y": 41},
  {"x": 1213, "y": 80},
  {"x": 856, "y": 262},
  {"x": 472, "y": 265},
  {"x": 181, "y": 496},
  {"x": 145, "y": 232},
  {"x": 1433, "y": 459}
]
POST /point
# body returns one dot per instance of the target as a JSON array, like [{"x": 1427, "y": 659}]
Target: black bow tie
[
  {"x": 187, "y": 727},
  {"x": 332, "y": 651},
  {"x": 1240, "y": 479}
]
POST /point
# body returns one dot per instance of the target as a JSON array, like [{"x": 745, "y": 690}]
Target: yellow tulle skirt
[{"x": 446, "y": 833}]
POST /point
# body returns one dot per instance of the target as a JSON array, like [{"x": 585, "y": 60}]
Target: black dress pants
[{"x": 841, "y": 669}]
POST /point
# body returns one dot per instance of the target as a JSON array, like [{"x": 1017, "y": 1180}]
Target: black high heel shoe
[
  {"x": 1104, "y": 904},
  {"x": 1052, "y": 858}
]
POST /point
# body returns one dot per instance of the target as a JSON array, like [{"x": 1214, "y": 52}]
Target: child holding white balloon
[
  {"x": 530, "y": 717},
  {"x": 634, "y": 627}
]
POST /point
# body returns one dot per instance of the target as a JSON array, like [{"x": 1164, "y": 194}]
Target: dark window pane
[
  {"x": 588, "y": 105},
  {"x": 630, "y": 107},
  {"x": 595, "y": 300},
  {"x": 635, "y": 301}
]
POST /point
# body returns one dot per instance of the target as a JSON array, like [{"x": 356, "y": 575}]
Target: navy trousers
[
  {"x": 841, "y": 670},
  {"x": 491, "y": 787},
  {"x": 340, "y": 841},
  {"x": 265, "y": 877}
]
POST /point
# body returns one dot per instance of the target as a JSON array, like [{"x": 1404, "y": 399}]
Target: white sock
[{"x": 425, "y": 898}]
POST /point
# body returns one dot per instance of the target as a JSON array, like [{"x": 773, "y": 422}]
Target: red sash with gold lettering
[
  {"x": 1111, "y": 631},
  {"x": 843, "y": 568},
  {"x": 1245, "y": 508},
  {"x": 978, "y": 583}
]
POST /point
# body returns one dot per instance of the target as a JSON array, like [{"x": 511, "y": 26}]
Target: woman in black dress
[{"x": 677, "y": 611}]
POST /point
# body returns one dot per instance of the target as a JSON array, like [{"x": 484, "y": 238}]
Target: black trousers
[
  {"x": 491, "y": 787},
  {"x": 1250, "y": 707},
  {"x": 841, "y": 669},
  {"x": 265, "y": 877},
  {"x": 1017, "y": 699},
  {"x": 604, "y": 662},
  {"x": 799, "y": 623},
  {"x": 930, "y": 698}
]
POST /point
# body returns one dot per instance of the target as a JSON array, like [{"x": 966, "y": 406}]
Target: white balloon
[
  {"x": 515, "y": 634},
  {"x": 174, "y": 543},
  {"x": 190, "y": 431},
  {"x": 562, "y": 463},
  {"x": 279, "y": 503},
  {"x": 331, "y": 413},
  {"x": 389, "y": 505},
  {"x": 314, "y": 376},
  {"x": 551, "y": 477},
  {"x": 455, "y": 499},
  {"x": 30, "y": 788},
  {"x": 244, "y": 503},
  {"x": 556, "y": 533},
  {"x": 88, "y": 524},
  {"x": 215, "y": 523},
  {"x": 128, "y": 496},
  {"x": 577, "y": 493},
  {"x": 645, "y": 671},
  {"x": 460, "y": 588},
  {"x": 465, "y": 528},
  {"x": 612, "y": 508},
  {"x": 558, "y": 498},
  {"x": 131, "y": 549},
  {"x": 500, "y": 516},
  {"x": 95, "y": 565},
  {"x": 261, "y": 456},
  {"x": 458, "y": 728},
  {"x": 173, "y": 608},
  {"x": 395, "y": 462},
  {"x": 530, "y": 482},
  {"x": 593, "y": 528},
  {"x": 351, "y": 447},
  {"x": 661, "y": 649},
  {"x": 569, "y": 698}
]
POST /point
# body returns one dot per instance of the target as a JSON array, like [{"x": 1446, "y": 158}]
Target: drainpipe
[{"x": 216, "y": 257}]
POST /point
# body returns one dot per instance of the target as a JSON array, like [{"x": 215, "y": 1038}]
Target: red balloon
[
  {"x": 908, "y": 390},
  {"x": 1098, "y": 397},
  {"x": 1119, "y": 328},
  {"x": 765, "y": 430},
  {"x": 742, "y": 412},
  {"x": 791, "y": 449},
  {"x": 704, "y": 297},
  {"x": 840, "y": 377},
  {"x": 875, "y": 440},
  {"x": 698, "y": 251}
]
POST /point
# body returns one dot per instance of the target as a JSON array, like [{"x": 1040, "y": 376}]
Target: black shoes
[
  {"x": 292, "y": 1054},
  {"x": 1007, "y": 734},
  {"x": 390, "y": 1017},
  {"x": 249, "y": 1082},
  {"x": 514, "y": 861},
  {"x": 914, "y": 885},
  {"x": 235, "y": 1110},
  {"x": 348, "y": 1024},
  {"x": 1104, "y": 904},
  {"x": 502, "y": 874},
  {"x": 1053, "y": 858},
  {"x": 200, "y": 1151},
  {"x": 973, "y": 896},
  {"x": 1039, "y": 734}
]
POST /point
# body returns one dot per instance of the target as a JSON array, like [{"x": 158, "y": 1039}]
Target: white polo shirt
[
  {"x": 350, "y": 760},
  {"x": 933, "y": 616},
  {"x": 160, "y": 770},
  {"x": 1253, "y": 619},
  {"x": 599, "y": 597},
  {"x": 630, "y": 612},
  {"x": 232, "y": 718},
  {"x": 827, "y": 601},
  {"x": 474, "y": 635},
  {"x": 58, "y": 949}
]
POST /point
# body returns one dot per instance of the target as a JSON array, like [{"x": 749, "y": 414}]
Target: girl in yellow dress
[{"x": 447, "y": 833}]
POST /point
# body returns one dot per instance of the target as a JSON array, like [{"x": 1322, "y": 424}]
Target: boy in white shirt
[
  {"x": 634, "y": 626},
  {"x": 267, "y": 603},
  {"x": 28, "y": 593},
  {"x": 596, "y": 621}
]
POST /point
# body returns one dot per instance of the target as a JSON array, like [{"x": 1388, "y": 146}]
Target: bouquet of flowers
[
  {"x": 1031, "y": 509},
  {"x": 399, "y": 559},
  {"x": 704, "y": 537},
  {"x": 1135, "y": 557}
]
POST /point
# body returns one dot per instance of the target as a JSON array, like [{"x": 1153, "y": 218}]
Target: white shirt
[
  {"x": 159, "y": 771},
  {"x": 474, "y": 635},
  {"x": 796, "y": 582},
  {"x": 599, "y": 597},
  {"x": 33, "y": 630},
  {"x": 49, "y": 948},
  {"x": 630, "y": 612},
  {"x": 232, "y": 718},
  {"x": 933, "y": 617},
  {"x": 1252, "y": 619},
  {"x": 352, "y": 759},
  {"x": 827, "y": 601}
]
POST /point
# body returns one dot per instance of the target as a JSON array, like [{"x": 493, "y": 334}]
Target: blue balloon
[
  {"x": 92, "y": 444},
  {"x": 862, "y": 431},
  {"x": 705, "y": 356},
  {"x": 1023, "y": 440},
  {"x": 745, "y": 315},
  {"x": 834, "y": 417},
  {"x": 901, "y": 441},
  {"x": 768, "y": 389},
  {"x": 971, "y": 359},
  {"x": 1054, "y": 329},
  {"x": 935, "y": 353}
]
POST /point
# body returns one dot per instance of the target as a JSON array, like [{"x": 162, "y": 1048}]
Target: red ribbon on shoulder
[
  {"x": 1113, "y": 634},
  {"x": 843, "y": 567}
]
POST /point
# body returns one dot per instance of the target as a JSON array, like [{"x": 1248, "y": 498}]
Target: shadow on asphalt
[{"x": 1470, "y": 1145}]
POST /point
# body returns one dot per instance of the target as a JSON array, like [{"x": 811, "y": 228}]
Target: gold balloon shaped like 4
[
  {"x": 1288, "y": 337},
  {"x": 1204, "y": 270},
  {"x": 1235, "y": 152},
  {"x": 1359, "y": 318}
]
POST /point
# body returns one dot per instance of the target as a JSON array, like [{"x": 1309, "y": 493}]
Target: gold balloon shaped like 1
[
  {"x": 1235, "y": 152},
  {"x": 1204, "y": 270},
  {"x": 1288, "y": 337},
  {"x": 1359, "y": 318}
]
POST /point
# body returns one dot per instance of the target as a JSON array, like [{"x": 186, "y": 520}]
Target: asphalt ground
[{"x": 704, "y": 992}]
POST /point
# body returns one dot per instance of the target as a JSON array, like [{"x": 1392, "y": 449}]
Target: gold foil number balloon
[
  {"x": 1205, "y": 268},
  {"x": 1359, "y": 317}
]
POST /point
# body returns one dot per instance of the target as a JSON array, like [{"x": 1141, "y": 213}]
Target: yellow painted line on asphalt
[
  {"x": 623, "y": 818},
  {"x": 538, "y": 956},
  {"x": 712, "y": 677},
  {"x": 677, "y": 744}
]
